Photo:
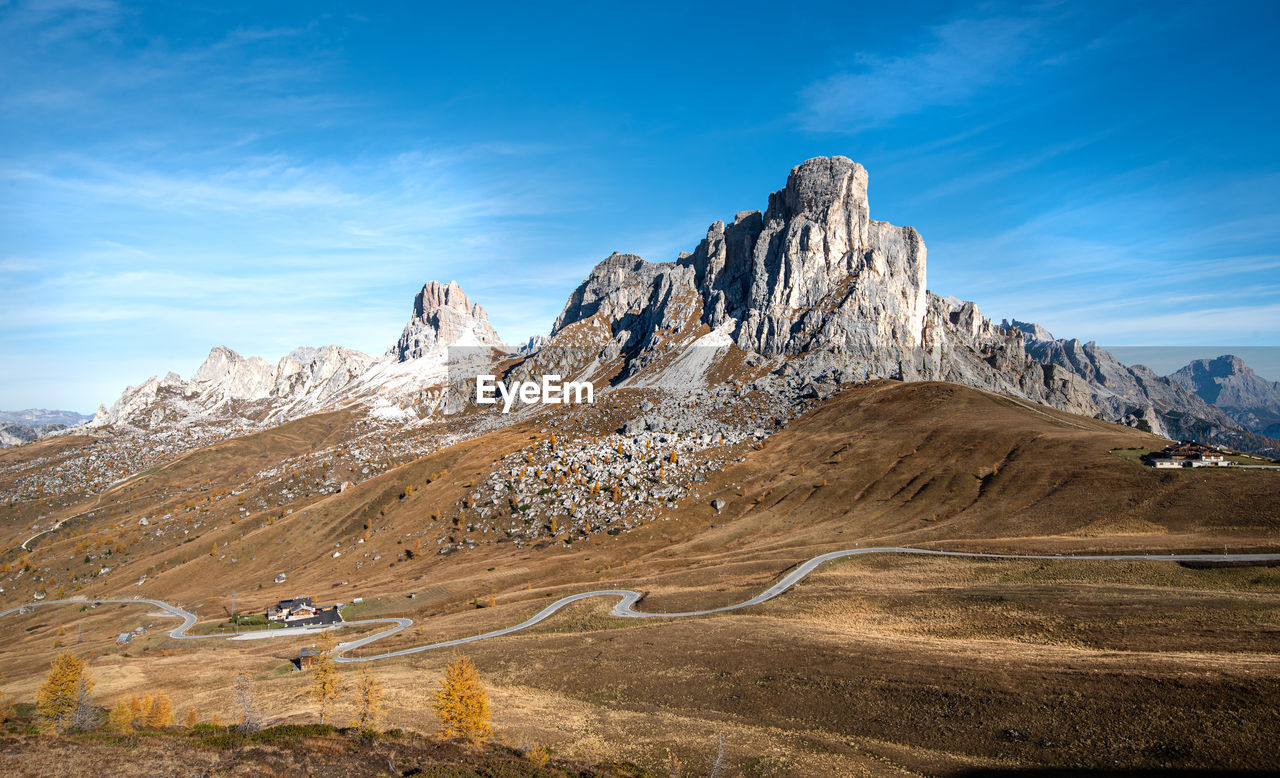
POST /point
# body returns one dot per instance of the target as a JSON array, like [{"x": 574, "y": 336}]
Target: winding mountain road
[{"x": 627, "y": 599}]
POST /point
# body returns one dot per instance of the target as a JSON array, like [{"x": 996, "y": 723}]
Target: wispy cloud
[
  {"x": 1190, "y": 325},
  {"x": 1132, "y": 259},
  {"x": 282, "y": 174},
  {"x": 44, "y": 22},
  {"x": 955, "y": 61},
  {"x": 247, "y": 35},
  {"x": 996, "y": 173},
  {"x": 267, "y": 252}
]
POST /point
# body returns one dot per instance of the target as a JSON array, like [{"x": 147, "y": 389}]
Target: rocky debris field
[
  {"x": 627, "y": 461},
  {"x": 178, "y": 512},
  {"x": 571, "y": 483},
  {"x": 80, "y": 471}
]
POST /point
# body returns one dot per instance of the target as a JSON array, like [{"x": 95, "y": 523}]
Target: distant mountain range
[
  {"x": 800, "y": 298},
  {"x": 1228, "y": 383},
  {"x": 39, "y": 416},
  {"x": 18, "y": 427}
]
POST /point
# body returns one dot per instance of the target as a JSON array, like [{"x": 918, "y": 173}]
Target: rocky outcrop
[
  {"x": 225, "y": 376},
  {"x": 18, "y": 427},
  {"x": 532, "y": 346},
  {"x": 229, "y": 387},
  {"x": 13, "y": 433},
  {"x": 1230, "y": 384},
  {"x": 1030, "y": 330},
  {"x": 404, "y": 384},
  {"x": 1133, "y": 395},
  {"x": 819, "y": 293},
  {"x": 823, "y": 274},
  {"x": 310, "y": 378},
  {"x": 443, "y": 316},
  {"x": 814, "y": 271},
  {"x": 814, "y": 286},
  {"x": 964, "y": 347}
]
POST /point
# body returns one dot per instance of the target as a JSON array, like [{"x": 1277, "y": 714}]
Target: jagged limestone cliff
[{"x": 816, "y": 291}]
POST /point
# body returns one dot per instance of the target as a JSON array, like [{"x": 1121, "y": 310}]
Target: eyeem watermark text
[{"x": 551, "y": 391}]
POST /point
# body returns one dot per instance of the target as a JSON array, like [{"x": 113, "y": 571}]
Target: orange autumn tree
[
  {"x": 160, "y": 714},
  {"x": 369, "y": 696},
  {"x": 462, "y": 704},
  {"x": 7, "y": 709},
  {"x": 120, "y": 719},
  {"x": 325, "y": 684},
  {"x": 62, "y": 701}
]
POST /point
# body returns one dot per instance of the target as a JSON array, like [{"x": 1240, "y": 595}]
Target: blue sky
[{"x": 268, "y": 175}]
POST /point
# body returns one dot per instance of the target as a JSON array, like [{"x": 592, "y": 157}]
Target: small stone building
[{"x": 307, "y": 657}]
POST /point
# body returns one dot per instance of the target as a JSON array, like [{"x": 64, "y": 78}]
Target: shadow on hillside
[{"x": 1063, "y": 772}]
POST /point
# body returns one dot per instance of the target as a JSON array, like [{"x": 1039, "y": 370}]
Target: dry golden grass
[{"x": 871, "y": 665}]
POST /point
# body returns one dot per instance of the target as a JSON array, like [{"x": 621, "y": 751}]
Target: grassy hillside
[
  {"x": 282, "y": 750},
  {"x": 974, "y": 653}
]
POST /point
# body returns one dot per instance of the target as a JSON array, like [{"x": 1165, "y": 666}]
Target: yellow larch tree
[
  {"x": 161, "y": 712},
  {"x": 462, "y": 704},
  {"x": 369, "y": 695},
  {"x": 120, "y": 719},
  {"x": 325, "y": 684},
  {"x": 7, "y": 709},
  {"x": 64, "y": 692}
]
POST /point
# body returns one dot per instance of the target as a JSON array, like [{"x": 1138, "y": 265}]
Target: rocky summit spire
[
  {"x": 812, "y": 273},
  {"x": 444, "y": 316},
  {"x": 824, "y": 274}
]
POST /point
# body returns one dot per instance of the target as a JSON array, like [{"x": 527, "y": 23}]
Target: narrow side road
[{"x": 627, "y": 599}]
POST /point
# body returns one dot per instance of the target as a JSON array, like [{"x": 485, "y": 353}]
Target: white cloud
[
  {"x": 959, "y": 59},
  {"x": 43, "y": 22}
]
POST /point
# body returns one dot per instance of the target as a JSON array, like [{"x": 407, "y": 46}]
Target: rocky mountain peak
[
  {"x": 1225, "y": 366},
  {"x": 1230, "y": 384},
  {"x": 817, "y": 186},
  {"x": 235, "y": 376},
  {"x": 822, "y": 292},
  {"x": 220, "y": 360},
  {"x": 1030, "y": 330},
  {"x": 821, "y": 271},
  {"x": 435, "y": 295},
  {"x": 230, "y": 387},
  {"x": 812, "y": 271},
  {"x": 444, "y": 316}
]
